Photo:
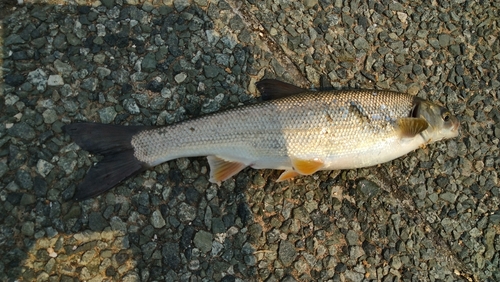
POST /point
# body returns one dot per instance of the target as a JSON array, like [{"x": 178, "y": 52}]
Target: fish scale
[
  {"x": 297, "y": 130},
  {"x": 323, "y": 123}
]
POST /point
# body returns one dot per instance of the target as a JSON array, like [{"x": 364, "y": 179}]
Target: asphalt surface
[{"x": 431, "y": 215}]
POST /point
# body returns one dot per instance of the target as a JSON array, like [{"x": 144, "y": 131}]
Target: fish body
[{"x": 300, "y": 132}]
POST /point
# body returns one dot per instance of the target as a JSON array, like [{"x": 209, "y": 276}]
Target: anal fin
[
  {"x": 221, "y": 170},
  {"x": 287, "y": 174}
]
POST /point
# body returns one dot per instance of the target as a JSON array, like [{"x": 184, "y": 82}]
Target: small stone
[
  {"x": 28, "y": 228},
  {"x": 102, "y": 72},
  {"x": 495, "y": 219},
  {"x": 155, "y": 86},
  {"x": 218, "y": 225},
  {"x": 38, "y": 78},
  {"x": 203, "y": 241},
  {"x": 3, "y": 168},
  {"x": 180, "y": 5},
  {"x": 444, "y": 40},
  {"x": 352, "y": 238},
  {"x": 157, "y": 219},
  {"x": 13, "y": 39},
  {"x": 301, "y": 214},
  {"x": 87, "y": 257},
  {"x": 55, "y": 80},
  {"x": 216, "y": 248},
  {"x": 356, "y": 252},
  {"x": 27, "y": 199},
  {"x": 97, "y": 222},
  {"x": 89, "y": 84},
  {"x": 22, "y": 130},
  {"x": 211, "y": 71},
  {"x": 396, "y": 263},
  {"x": 24, "y": 179},
  {"x": 62, "y": 68},
  {"x": 361, "y": 44},
  {"x": 148, "y": 64},
  {"x": 108, "y": 3},
  {"x": 49, "y": 116},
  {"x": 368, "y": 188},
  {"x": 222, "y": 59},
  {"x": 402, "y": 17},
  {"x": 352, "y": 275},
  {"x": 14, "y": 79},
  {"x": 286, "y": 252},
  {"x": 179, "y": 78},
  {"x": 148, "y": 249},
  {"x": 475, "y": 233},
  {"x": 449, "y": 197},
  {"x": 310, "y": 3},
  {"x": 312, "y": 75},
  {"x": 107, "y": 114},
  {"x": 186, "y": 212},
  {"x": 131, "y": 106}
]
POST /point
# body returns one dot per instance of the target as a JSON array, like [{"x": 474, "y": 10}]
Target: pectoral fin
[
  {"x": 306, "y": 167},
  {"x": 409, "y": 127},
  {"x": 287, "y": 174},
  {"x": 221, "y": 170}
]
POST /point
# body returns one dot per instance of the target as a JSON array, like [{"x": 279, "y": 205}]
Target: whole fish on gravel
[{"x": 295, "y": 130}]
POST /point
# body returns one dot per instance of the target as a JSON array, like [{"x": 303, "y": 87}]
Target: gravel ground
[{"x": 429, "y": 216}]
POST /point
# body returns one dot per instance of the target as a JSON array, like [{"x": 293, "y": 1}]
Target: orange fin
[
  {"x": 271, "y": 89},
  {"x": 306, "y": 167},
  {"x": 287, "y": 174},
  {"x": 409, "y": 127},
  {"x": 221, "y": 170}
]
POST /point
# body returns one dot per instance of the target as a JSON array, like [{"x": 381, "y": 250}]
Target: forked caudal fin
[{"x": 113, "y": 142}]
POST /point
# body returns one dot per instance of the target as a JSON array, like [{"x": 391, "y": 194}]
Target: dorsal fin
[{"x": 271, "y": 89}]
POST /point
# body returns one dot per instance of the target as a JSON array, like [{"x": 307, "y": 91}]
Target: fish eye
[{"x": 446, "y": 116}]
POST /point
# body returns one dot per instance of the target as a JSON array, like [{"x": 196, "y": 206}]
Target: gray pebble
[
  {"x": 448, "y": 196},
  {"x": 107, "y": 115},
  {"x": 24, "y": 179},
  {"x": 211, "y": 71},
  {"x": 28, "y": 228},
  {"x": 131, "y": 106},
  {"x": 149, "y": 63},
  {"x": 286, "y": 252},
  {"x": 38, "y": 78},
  {"x": 352, "y": 238},
  {"x": 89, "y": 84},
  {"x": 22, "y": 130},
  {"x": 179, "y": 78},
  {"x": 49, "y": 116},
  {"x": 157, "y": 220},
  {"x": 203, "y": 241},
  {"x": 97, "y": 222},
  {"x": 186, "y": 212},
  {"x": 55, "y": 80},
  {"x": 28, "y": 199}
]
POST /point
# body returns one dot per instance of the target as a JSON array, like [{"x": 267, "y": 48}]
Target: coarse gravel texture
[{"x": 432, "y": 215}]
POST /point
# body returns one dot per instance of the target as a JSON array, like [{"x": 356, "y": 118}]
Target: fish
[{"x": 296, "y": 130}]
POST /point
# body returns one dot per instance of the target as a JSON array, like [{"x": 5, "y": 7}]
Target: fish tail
[{"x": 113, "y": 142}]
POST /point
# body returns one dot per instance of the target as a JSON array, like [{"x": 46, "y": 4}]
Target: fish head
[{"x": 442, "y": 123}]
